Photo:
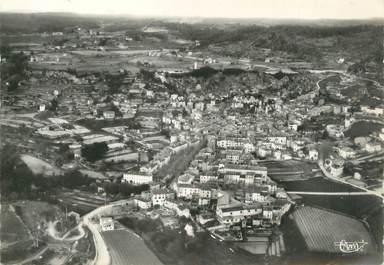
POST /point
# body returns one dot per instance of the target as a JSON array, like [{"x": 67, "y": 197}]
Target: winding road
[
  {"x": 102, "y": 256},
  {"x": 53, "y": 232}
]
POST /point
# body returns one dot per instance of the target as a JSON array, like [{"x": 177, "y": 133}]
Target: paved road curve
[{"x": 102, "y": 256}]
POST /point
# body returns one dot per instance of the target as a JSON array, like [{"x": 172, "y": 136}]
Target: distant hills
[{"x": 10, "y": 21}]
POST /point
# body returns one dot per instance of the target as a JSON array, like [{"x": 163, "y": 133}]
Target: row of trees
[
  {"x": 16, "y": 67},
  {"x": 124, "y": 189}
]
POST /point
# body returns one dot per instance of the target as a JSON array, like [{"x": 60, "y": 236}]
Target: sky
[{"x": 299, "y": 9}]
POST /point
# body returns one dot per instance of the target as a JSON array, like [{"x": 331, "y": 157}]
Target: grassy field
[
  {"x": 20, "y": 251},
  {"x": 12, "y": 229},
  {"x": 333, "y": 79},
  {"x": 321, "y": 229},
  {"x": 356, "y": 91},
  {"x": 38, "y": 166},
  {"x": 16, "y": 242},
  {"x": 166, "y": 62},
  {"x": 90, "y": 65}
]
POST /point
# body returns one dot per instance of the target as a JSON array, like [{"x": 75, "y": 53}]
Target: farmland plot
[{"x": 125, "y": 247}]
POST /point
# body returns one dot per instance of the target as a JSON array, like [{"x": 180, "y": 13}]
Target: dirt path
[{"x": 54, "y": 234}]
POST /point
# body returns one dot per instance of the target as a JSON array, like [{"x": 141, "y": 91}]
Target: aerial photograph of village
[{"x": 191, "y": 140}]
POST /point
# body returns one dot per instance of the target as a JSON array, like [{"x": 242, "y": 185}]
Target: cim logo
[{"x": 350, "y": 247}]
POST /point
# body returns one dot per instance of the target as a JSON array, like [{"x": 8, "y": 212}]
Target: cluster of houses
[{"x": 249, "y": 195}]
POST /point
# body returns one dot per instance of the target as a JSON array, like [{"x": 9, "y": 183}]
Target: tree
[
  {"x": 5, "y": 51},
  {"x": 357, "y": 68},
  {"x": 111, "y": 188},
  {"x": 114, "y": 83},
  {"x": 19, "y": 63},
  {"x": 348, "y": 169},
  {"x": 94, "y": 152},
  {"x": 117, "y": 111},
  {"x": 54, "y": 105},
  {"x": 15, "y": 69},
  {"x": 15, "y": 177}
]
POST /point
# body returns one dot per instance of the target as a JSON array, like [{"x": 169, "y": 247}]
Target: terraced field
[
  {"x": 321, "y": 229},
  {"x": 289, "y": 170},
  {"x": 125, "y": 247},
  {"x": 81, "y": 202}
]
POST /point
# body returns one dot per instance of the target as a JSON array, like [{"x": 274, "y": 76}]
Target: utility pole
[{"x": 36, "y": 236}]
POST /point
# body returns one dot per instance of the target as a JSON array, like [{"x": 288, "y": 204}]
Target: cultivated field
[
  {"x": 322, "y": 229},
  {"x": 125, "y": 247},
  {"x": 289, "y": 170},
  {"x": 81, "y": 201}
]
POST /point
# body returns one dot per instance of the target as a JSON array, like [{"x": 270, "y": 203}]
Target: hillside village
[{"x": 174, "y": 131}]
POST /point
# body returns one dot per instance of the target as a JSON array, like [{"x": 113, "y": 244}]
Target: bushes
[
  {"x": 114, "y": 83},
  {"x": 233, "y": 71},
  {"x": 204, "y": 72},
  {"x": 73, "y": 179},
  {"x": 141, "y": 225}
]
